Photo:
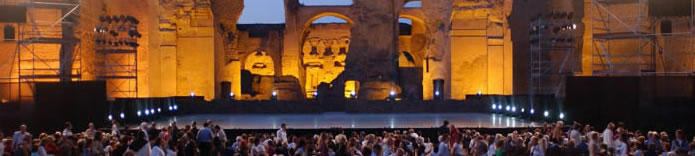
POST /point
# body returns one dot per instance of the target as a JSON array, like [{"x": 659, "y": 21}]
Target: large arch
[
  {"x": 313, "y": 18},
  {"x": 324, "y": 47}
]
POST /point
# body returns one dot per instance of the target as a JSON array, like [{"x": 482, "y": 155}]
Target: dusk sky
[{"x": 273, "y": 11}]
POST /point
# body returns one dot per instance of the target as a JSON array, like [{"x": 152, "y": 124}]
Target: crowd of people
[{"x": 210, "y": 139}]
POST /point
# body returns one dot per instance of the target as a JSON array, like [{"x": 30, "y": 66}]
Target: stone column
[{"x": 438, "y": 49}]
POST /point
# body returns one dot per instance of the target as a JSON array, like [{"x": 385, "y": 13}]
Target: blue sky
[{"x": 273, "y": 11}]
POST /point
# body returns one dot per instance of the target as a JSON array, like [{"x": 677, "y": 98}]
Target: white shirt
[
  {"x": 67, "y": 132},
  {"x": 156, "y": 151},
  {"x": 608, "y": 137},
  {"x": 2, "y": 147},
  {"x": 281, "y": 135},
  {"x": 576, "y": 136}
]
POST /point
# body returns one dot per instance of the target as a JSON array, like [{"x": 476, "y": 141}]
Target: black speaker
[
  {"x": 666, "y": 27},
  {"x": 9, "y": 32},
  {"x": 225, "y": 89},
  {"x": 438, "y": 89}
]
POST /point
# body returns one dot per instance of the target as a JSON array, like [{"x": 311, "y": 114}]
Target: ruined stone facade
[
  {"x": 196, "y": 47},
  {"x": 191, "y": 47}
]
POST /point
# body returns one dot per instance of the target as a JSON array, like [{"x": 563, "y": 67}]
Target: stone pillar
[
  {"x": 438, "y": 26},
  {"x": 291, "y": 54},
  {"x": 372, "y": 58}
]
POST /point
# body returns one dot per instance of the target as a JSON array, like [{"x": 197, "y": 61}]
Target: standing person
[
  {"x": 680, "y": 144},
  {"x": 621, "y": 148},
  {"x": 141, "y": 142},
  {"x": 444, "y": 129},
  {"x": 2, "y": 143},
  {"x": 174, "y": 133},
  {"x": 114, "y": 128},
  {"x": 443, "y": 148},
  {"x": 281, "y": 134},
  {"x": 608, "y": 135},
  {"x": 67, "y": 131},
  {"x": 90, "y": 131},
  {"x": 158, "y": 148},
  {"x": 19, "y": 137},
  {"x": 220, "y": 140},
  {"x": 204, "y": 137}
]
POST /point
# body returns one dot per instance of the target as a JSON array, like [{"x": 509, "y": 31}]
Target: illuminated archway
[
  {"x": 325, "y": 43},
  {"x": 260, "y": 63}
]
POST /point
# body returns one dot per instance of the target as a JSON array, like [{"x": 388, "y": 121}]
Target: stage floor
[{"x": 344, "y": 120}]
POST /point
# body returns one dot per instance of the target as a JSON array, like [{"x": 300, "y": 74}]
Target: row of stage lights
[
  {"x": 513, "y": 109},
  {"x": 145, "y": 112}
]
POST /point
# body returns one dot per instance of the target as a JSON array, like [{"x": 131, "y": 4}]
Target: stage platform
[{"x": 358, "y": 121}]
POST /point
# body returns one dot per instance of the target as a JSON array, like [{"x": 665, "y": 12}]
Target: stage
[{"x": 346, "y": 120}]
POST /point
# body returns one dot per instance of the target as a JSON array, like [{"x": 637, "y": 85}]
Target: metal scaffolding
[
  {"x": 626, "y": 42},
  {"x": 117, "y": 46},
  {"x": 44, "y": 48},
  {"x": 552, "y": 55}
]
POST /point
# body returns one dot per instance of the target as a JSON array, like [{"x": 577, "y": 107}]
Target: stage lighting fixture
[
  {"x": 562, "y": 115},
  {"x": 274, "y": 94},
  {"x": 532, "y": 111},
  {"x": 508, "y": 108},
  {"x": 122, "y": 115},
  {"x": 171, "y": 108},
  {"x": 436, "y": 93},
  {"x": 523, "y": 110},
  {"x": 110, "y": 117},
  {"x": 546, "y": 114},
  {"x": 353, "y": 94},
  {"x": 513, "y": 108},
  {"x": 494, "y": 106},
  {"x": 147, "y": 112},
  {"x": 316, "y": 94},
  {"x": 159, "y": 110},
  {"x": 392, "y": 93},
  {"x": 139, "y": 113},
  {"x": 192, "y": 93},
  {"x": 231, "y": 94},
  {"x": 176, "y": 107},
  {"x": 479, "y": 93}
]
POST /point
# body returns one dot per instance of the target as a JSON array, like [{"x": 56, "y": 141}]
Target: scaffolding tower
[
  {"x": 552, "y": 55},
  {"x": 117, "y": 47},
  {"x": 46, "y": 48},
  {"x": 626, "y": 42}
]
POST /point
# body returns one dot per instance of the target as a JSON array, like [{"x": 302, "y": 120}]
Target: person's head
[
  {"x": 68, "y": 125},
  {"x": 283, "y": 126},
  {"x": 680, "y": 134},
  {"x": 206, "y": 124},
  {"x": 90, "y": 125},
  {"x": 23, "y": 128},
  {"x": 610, "y": 126},
  {"x": 446, "y": 123}
]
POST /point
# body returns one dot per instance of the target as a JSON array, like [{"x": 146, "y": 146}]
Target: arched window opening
[{"x": 413, "y": 4}]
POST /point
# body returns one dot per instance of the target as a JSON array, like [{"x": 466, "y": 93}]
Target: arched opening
[
  {"x": 412, "y": 38},
  {"x": 413, "y": 4},
  {"x": 325, "y": 44},
  {"x": 326, "y": 2},
  {"x": 259, "y": 63}
]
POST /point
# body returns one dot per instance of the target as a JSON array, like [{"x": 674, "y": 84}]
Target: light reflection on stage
[{"x": 345, "y": 120}]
